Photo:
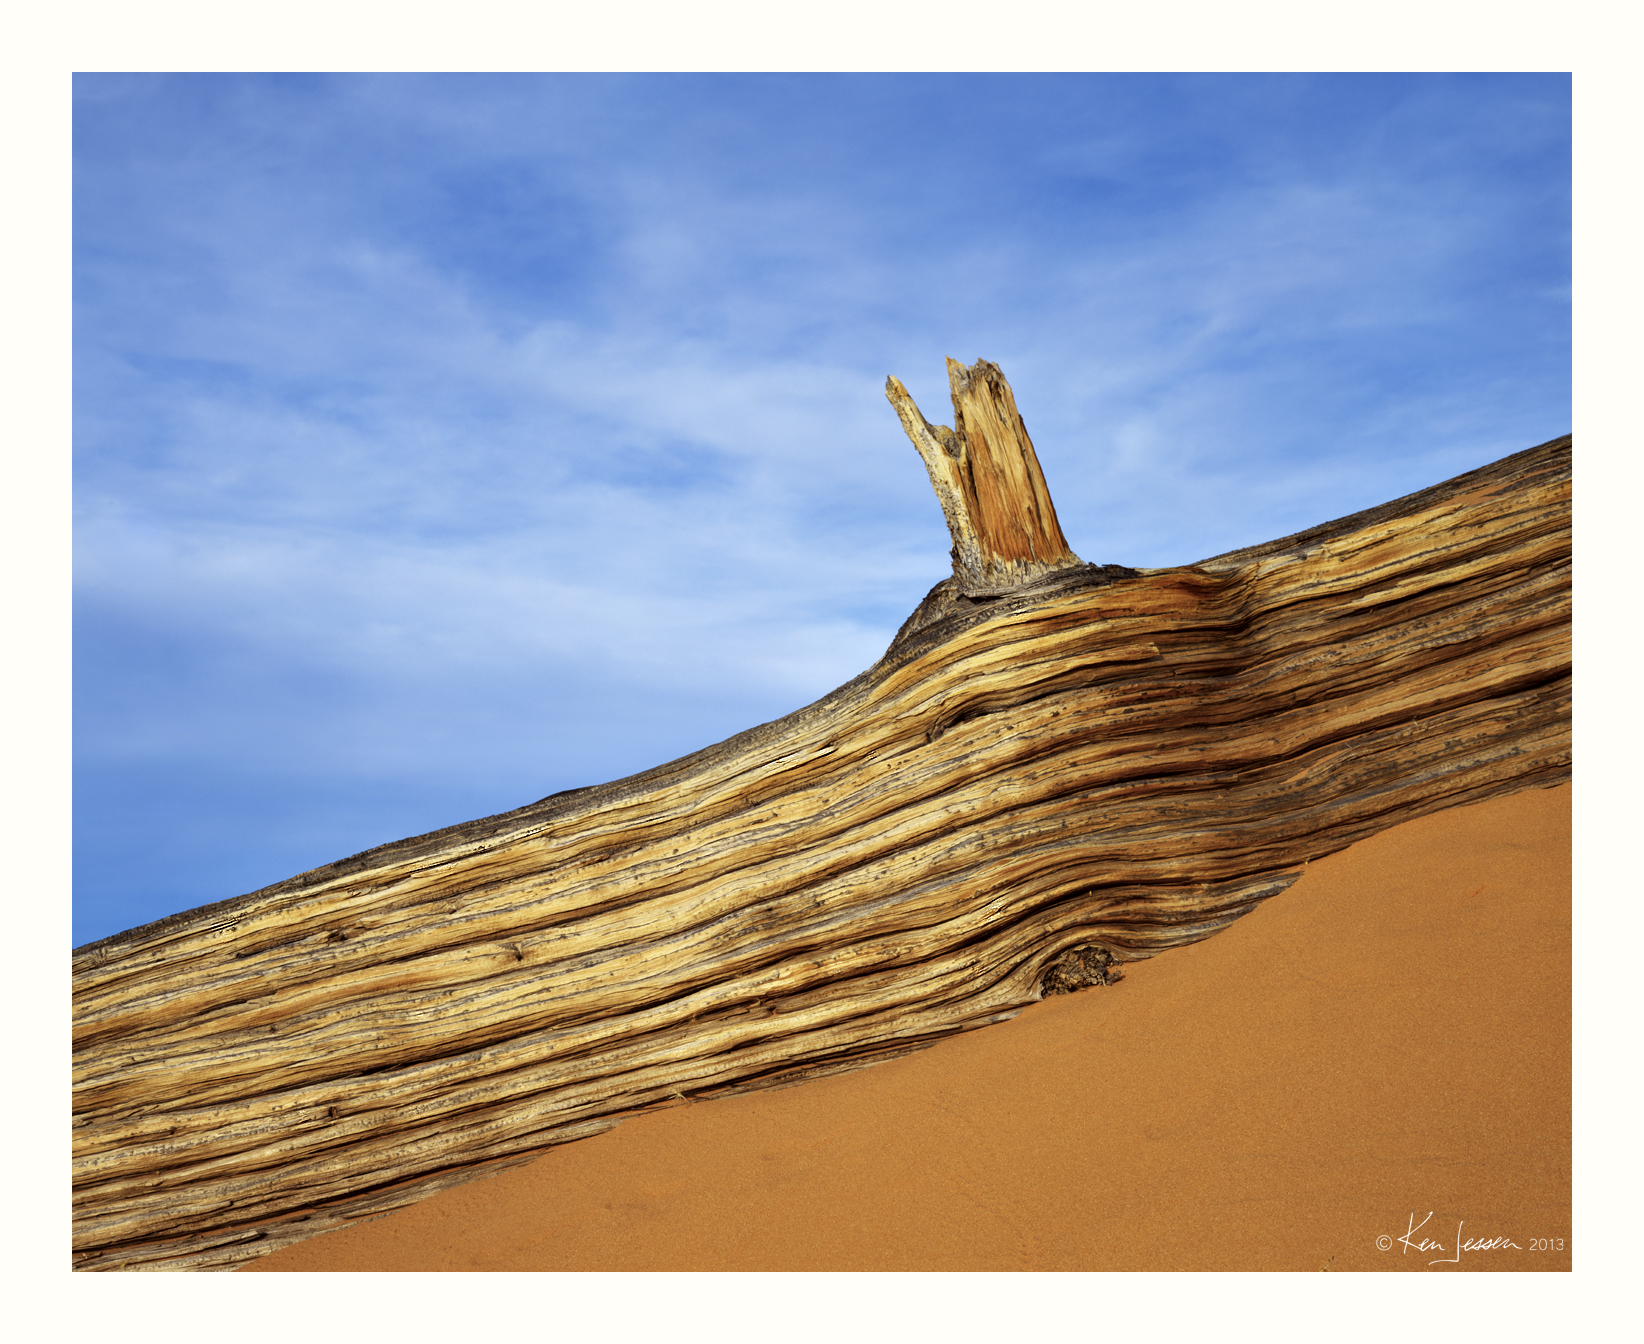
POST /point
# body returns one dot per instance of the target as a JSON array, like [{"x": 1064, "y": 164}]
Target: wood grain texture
[
  {"x": 1116, "y": 760},
  {"x": 987, "y": 478}
]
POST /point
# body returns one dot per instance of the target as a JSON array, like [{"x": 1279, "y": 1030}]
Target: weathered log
[{"x": 1055, "y": 766}]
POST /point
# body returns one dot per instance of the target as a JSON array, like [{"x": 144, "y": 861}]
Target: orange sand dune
[{"x": 1389, "y": 1038}]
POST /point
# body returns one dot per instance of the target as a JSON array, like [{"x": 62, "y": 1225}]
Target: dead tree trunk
[{"x": 1054, "y": 766}]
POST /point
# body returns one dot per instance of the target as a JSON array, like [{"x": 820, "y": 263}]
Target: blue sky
[{"x": 445, "y": 441}]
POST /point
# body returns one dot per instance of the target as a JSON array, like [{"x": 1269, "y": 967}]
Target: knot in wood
[{"x": 1079, "y": 968}]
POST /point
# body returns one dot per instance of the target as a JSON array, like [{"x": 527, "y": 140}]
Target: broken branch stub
[{"x": 988, "y": 480}]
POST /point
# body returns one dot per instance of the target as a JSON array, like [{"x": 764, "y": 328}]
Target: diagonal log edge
[{"x": 1547, "y": 464}]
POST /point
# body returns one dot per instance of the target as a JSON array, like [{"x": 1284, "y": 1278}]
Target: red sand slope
[{"x": 1389, "y": 1038}]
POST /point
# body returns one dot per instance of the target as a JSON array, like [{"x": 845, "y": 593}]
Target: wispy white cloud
[{"x": 507, "y": 427}]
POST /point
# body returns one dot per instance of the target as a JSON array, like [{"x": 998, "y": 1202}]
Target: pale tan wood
[
  {"x": 988, "y": 480},
  {"x": 1115, "y": 760}
]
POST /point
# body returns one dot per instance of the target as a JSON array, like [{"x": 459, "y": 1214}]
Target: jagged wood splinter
[{"x": 987, "y": 477}]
